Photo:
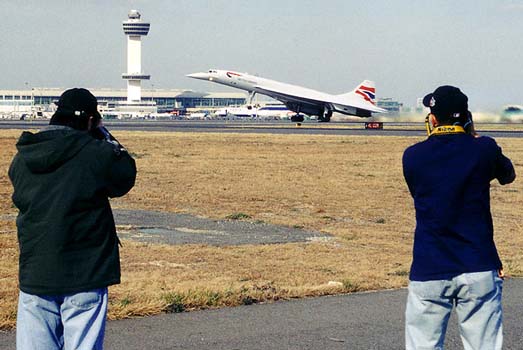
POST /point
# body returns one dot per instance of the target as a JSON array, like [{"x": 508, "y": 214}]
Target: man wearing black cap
[
  {"x": 455, "y": 261},
  {"x": 62, "y": 178}
]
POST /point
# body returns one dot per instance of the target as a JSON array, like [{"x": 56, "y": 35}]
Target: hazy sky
[{"x": 407, "y": 47}]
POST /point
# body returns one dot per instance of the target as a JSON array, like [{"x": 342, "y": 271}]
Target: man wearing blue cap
[{"x": 455, "y": 261}]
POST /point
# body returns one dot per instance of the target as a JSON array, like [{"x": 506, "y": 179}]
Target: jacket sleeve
[
  {"x": 407, "y": 171},
  {"x": 503, "y": 168},
  {"x": 121, "y": 173}
]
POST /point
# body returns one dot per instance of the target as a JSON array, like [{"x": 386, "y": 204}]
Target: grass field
[{"x": 349, "y": 186}]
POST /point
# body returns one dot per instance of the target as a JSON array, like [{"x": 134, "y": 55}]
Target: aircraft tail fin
[{"x": 366, "y": 90}]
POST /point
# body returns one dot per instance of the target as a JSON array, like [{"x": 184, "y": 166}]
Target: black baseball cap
[
  {"x": 447, "y": 102},
  {"x": 78, "y": 102}
]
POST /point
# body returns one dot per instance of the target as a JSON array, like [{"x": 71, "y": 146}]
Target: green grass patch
[
  {"x": 238, "y": 216},
  {"x": 350, "y": 286},
  {"x": 174, "y": 302}
]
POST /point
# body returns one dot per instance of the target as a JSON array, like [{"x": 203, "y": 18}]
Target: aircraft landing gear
[
  {"x": 297, "y": 118},
  {"x": 326, "y": 117},
  {"x": 251, "y": 97}
]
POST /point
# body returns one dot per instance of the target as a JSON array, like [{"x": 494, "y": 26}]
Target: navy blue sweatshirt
[{"x": 449, "y": 178}]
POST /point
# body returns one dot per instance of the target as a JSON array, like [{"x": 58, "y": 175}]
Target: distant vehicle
[
  {"x": 512, "y": 114},
  {"x": 160, "y": 116},
  {"x": 516, "y": 109},
  {"x": 197, "y": 115},
  {"x": 242, "y": 112},
  {"x": 359, "y": 102}
]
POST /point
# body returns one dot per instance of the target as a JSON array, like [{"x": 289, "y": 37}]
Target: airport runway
[
  {"x": 265, "y": 127},
  {"x": 360, "y": 321}
]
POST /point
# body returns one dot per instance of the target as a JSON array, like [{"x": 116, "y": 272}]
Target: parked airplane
[
  {"x": 267, "y": 111},
  {"x": 359, "y": 102}
]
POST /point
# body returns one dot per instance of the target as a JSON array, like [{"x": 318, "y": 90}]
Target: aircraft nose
[{"x": 203, "y": 76}]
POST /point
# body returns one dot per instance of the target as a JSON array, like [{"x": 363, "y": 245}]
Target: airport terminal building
[
  {"x": 157, "y": 100},
  {"x": 39, "y": 102}
]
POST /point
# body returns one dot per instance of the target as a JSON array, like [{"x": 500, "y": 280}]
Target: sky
[{"x": 407, "y": 47}]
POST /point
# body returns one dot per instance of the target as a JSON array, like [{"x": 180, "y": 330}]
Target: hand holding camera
[{"x": 100, "y": 132}]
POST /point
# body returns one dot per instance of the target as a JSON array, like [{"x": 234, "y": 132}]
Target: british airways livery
[{"x": 359, "y": 102}]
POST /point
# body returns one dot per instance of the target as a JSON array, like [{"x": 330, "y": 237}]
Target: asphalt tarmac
[
  {"x": 264, "y": 127},
  {"x": 170, "y": 228},
  {"x": 366, "y": 321}
]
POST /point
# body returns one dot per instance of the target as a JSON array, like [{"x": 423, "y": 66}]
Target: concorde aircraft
[{"x": 359, "y": 102}]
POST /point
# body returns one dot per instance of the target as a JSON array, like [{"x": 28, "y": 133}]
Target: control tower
[{"x": 134, "y": 28}]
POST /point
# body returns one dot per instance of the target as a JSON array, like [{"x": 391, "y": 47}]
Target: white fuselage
[
  {"x": 250, "y": 83},
  {"x": 296, "y": 98}
]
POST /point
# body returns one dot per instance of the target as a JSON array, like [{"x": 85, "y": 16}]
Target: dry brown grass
[{"x": 349, "y": 186}]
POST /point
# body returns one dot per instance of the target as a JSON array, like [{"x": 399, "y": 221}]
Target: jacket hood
[{"x": 46, "y": 151}]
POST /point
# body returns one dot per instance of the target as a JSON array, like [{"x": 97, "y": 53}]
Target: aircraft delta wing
[{"x": 359, "y": 102}]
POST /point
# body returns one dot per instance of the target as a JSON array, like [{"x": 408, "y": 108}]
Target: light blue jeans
[
  {"x": 73, "y": 321},
  {"x": 477, "y": 298}
]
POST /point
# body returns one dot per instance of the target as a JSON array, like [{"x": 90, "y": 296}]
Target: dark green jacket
[{"x": 62, "y": 180}]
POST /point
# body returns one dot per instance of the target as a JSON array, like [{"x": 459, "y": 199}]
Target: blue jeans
[
  {"x": 477, "y": 298},
  {"x": 73, "y": 321}
]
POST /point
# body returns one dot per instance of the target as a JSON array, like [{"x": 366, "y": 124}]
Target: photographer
[
  {"x": 455, "y": 261},
  {"x": 62, "y": 178}
]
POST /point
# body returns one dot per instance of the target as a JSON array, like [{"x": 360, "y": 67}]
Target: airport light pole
[{"x": 32, "y": 100}]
